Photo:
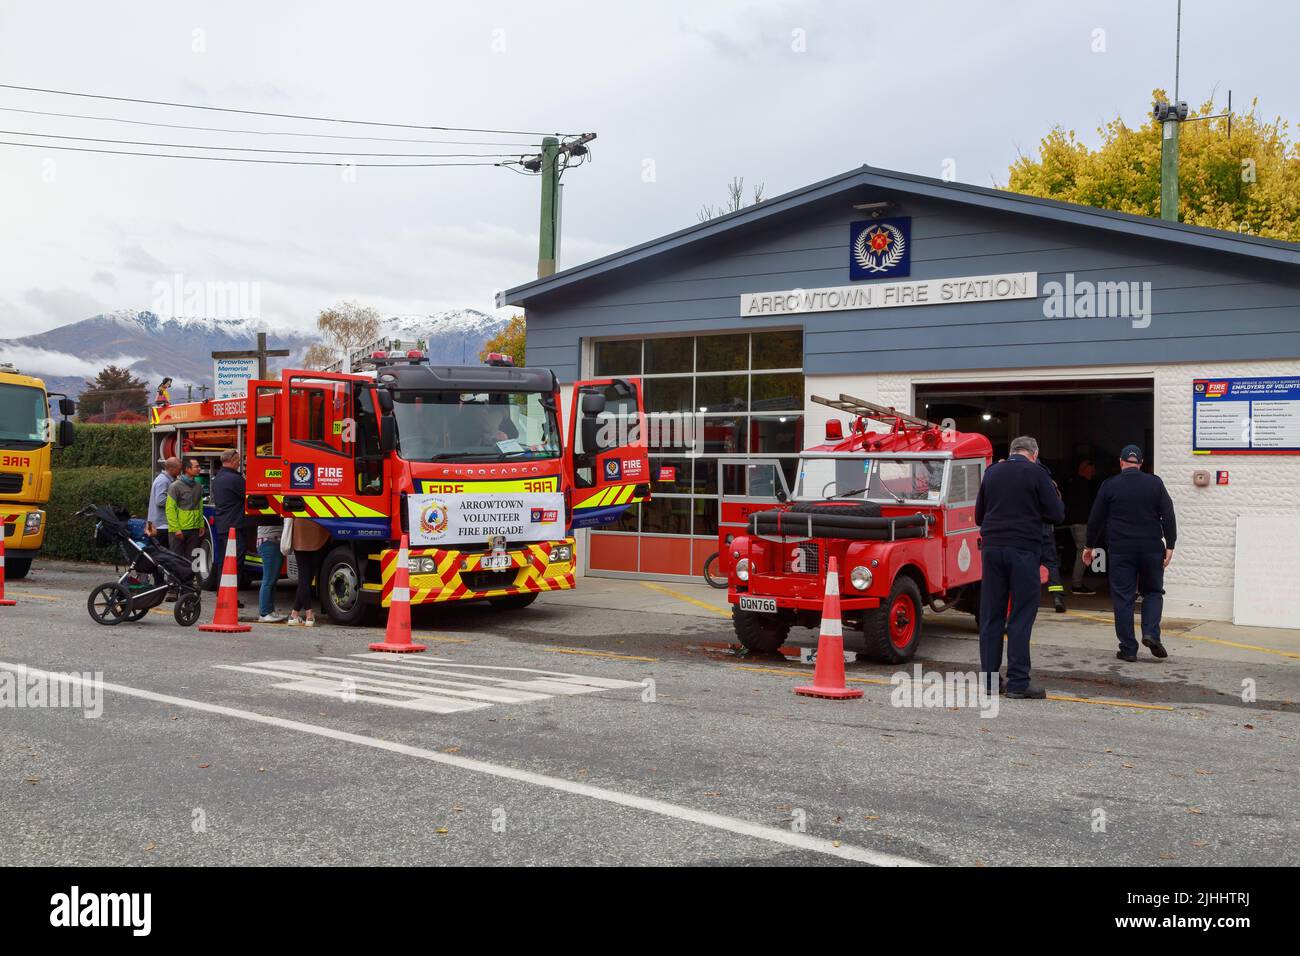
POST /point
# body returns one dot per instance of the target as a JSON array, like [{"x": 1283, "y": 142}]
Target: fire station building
[{"x": 995, "y": 312}]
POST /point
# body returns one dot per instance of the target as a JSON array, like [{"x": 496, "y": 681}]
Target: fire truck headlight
[
  {"x": 33, "y": 522},
  {"x": 561, "y": 554},
  {"x": 860, "y": 578},
  {"x": 421, "y": 565},
  {"x": 742, "y": 569}
]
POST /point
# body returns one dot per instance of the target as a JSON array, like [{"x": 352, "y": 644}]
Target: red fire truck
[
  {"x": 895, "y": 507},
  {"x": 468, "y": 461}
]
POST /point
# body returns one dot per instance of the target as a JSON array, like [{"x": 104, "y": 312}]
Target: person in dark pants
[
  {"x": 309, "y": 540},
  {"x": 1080, "y": 492},
  {"x": 228, "y": 502},
  {"x": 1015, "y": 500},
  {"x": 1133, "y": 518},
  {"x": 1049, "y": 559}
]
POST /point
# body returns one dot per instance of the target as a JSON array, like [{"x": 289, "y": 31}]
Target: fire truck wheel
[
  {"x": 16, "y": 568},
  {"x": 894, "y": 630},
  {"x": 759, "y": 632},
  {"x": 339, "y": 583},
  {"x": 516, "y": 602}
]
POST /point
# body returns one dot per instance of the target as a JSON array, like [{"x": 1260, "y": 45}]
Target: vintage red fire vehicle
[
  {"x": 895, "y": 507},
  {"x": 467, "y": 460}
]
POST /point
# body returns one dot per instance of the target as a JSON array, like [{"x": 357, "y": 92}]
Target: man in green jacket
[{"x": 185, "y": 522}]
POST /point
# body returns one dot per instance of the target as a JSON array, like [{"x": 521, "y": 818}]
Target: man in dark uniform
[
  {"x": 1133, "y": 518},
  {"x": 228, "y": 503},
  {"x": 1015, "y": 500}
]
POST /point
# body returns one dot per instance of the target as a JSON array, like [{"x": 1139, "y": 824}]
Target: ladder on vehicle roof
[{"x": 862, "y": 408}]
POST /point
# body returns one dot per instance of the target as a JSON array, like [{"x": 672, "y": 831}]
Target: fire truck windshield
[
  {"x": 23, "y": 416},
  {"x": 886, "y": 480},
  {"x": 475, "y": 426}
]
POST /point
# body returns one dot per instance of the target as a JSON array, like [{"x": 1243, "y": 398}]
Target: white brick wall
[{"x": 1199, "y": 581}]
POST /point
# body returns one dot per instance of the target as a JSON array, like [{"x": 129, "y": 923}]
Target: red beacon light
[
  {"x": 500, "y": 359},
  {"x": 834, "y": 430}
]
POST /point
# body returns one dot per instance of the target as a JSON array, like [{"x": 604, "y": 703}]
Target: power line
[
  {"x": 243, "y": 159},
  {"x": 264, "y": 132},
  {"x": 317, "y": 119},
  {"x": 253, "y": 149}
]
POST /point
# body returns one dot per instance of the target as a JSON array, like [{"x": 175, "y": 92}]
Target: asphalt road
[{"x": 568, "y": 734}]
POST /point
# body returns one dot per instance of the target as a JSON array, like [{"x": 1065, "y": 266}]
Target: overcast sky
[{"x": 683, "y": 94}]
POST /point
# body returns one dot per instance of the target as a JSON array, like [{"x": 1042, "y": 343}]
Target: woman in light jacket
[{"x": 309, "y": 540}]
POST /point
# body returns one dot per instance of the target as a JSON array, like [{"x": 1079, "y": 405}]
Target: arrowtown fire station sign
[{"x": 889, "y": 295}]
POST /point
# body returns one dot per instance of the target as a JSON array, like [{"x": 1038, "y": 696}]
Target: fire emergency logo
[
  {"x": 434, "y": 518},
  {"x": 613, "y": 469},
  {"x": 879, "y": 248},
  {"x": 302, "y": 476}
]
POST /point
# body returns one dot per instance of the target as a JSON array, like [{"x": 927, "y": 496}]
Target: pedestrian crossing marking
[{"x": 431, "y": 685}]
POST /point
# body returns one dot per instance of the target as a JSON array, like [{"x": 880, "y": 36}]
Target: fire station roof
[
  {"x": 887, "y": 182},
  {"x": 468, "y": 378}
]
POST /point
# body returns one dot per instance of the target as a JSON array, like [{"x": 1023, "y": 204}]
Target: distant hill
[{"x": 153, "y": 347}]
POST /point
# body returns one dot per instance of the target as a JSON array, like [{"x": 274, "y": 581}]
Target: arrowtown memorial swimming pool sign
[{"x": 882, "y": 249}]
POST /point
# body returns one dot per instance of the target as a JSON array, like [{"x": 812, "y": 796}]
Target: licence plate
[
  {"x": 496, "y": 562},
  {"x": 765, "y": 605}
]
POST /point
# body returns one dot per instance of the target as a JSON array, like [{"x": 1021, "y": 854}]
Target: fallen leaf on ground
[
  {"x": 32, "y": 780},
  {"x": 1127, "y": 766},
  {"x": 871, "y": 816},
  {"x": 1200, "y": 843},
  {"x": 713, "y": 793},
  {"x": 1195, "y": 810},
  {"x": 204, "y": 766},
  {"x": 1249, "y": 726},
  {"x": 1168, "y": 856},
  {"x": 450, "y": 750},
  {"x": 835, "y": 842},
  {"x": 442, "y": 830},
  {"x": 150, "y": 846},
  {"x": 1204, "y": 773}
]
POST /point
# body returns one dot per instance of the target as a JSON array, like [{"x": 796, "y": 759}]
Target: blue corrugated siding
[{"x": 1204, "y": 306}]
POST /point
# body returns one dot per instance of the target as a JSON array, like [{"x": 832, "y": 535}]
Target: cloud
[
  {"x": 64, "y": 305},
  {"x": 104, "y": 278},
  {"x": 46, "y": 362}
]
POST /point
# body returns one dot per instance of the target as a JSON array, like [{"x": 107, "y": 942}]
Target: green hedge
[
  {"x": 73, "y": 538},
  {"x": 117, "y": 446}
]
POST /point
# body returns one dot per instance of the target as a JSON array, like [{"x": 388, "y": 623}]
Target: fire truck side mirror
[
  {"x": 593, "y": 403},
  {"x": 387, "y": 434},
  {"x": 66, "y": 434},
  {"x": 385, "y": 398},
  {"x": 67, "y": 407}
]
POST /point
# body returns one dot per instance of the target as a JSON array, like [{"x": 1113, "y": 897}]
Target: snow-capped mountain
[{"x": 154, "y": 347}]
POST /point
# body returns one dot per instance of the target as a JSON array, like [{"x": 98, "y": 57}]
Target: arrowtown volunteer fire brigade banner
[{"x": 475, "y": 518}]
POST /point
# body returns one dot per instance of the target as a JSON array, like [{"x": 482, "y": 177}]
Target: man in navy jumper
[
  {"x": 1015, "y": 500},
  {"x": 1133, "y": 518}
]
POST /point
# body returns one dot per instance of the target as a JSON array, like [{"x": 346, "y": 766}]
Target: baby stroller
[{"x": 150, "y": 573}]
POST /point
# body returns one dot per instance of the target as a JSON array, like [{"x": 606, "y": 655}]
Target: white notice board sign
[
  {"x": 449, "y": 519},
  {"x": 1267, "y": 563}
]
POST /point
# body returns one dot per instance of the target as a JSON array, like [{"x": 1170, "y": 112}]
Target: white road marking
[
  {"x": 436, "y": 686},
  {"x": 758, "y": 831}
]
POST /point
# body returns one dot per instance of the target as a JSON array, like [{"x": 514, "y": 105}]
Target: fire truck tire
[
  {"x": 893, "y": 631},
  {"x": 759, "y": 632},
  {"x": 339, "y": 586},
  {"x": 515, "y": 602},
  {"x": 16, "y": 568}
]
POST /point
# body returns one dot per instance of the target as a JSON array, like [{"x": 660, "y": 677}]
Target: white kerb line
[{"x": 789, "y": 838}]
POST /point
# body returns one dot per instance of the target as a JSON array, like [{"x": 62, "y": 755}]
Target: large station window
[{"x": 707, "y": 397}]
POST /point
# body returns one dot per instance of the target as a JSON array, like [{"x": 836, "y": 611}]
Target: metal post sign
[{"x": 230, "y": 376}]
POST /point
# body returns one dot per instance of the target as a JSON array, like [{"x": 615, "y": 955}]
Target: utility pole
[
  {"x": 1171, "y": 117},
  {"x": 551, "y": 163}
]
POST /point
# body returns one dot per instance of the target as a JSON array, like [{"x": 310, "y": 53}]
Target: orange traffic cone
[
  {"x": 828, "y": 676},
  {"x": 4, "y": 601},
  {"x": 226, "y": 618},
  {"x": 397, "y": 638}
]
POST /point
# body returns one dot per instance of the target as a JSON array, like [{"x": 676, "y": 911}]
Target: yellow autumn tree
[
  {"x": 1248, "y": 181},
  {"x": 509, "y": 341}
]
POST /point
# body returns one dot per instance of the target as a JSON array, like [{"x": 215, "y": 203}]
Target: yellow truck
[{"x": 26, "y": 433}]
